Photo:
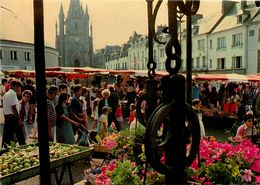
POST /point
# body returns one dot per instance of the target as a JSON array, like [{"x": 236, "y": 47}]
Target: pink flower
[
  {"x": 256, "y": 165},
  {"x": 257, "y": 179},
  {"x": 207, "y": 183},
  {"x": 247, "y": 176},
  {"x": 163, "y": 158},
  {"x": 203, "y": 179},
  {"x": 111, "y": 167}
]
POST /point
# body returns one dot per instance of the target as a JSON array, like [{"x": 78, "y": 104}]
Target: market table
[{"x": 64, "y": 162}]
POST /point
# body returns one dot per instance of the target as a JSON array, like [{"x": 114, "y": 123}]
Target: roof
[
  {"x": 230, "y": 19},
  {"x": 206, "y": 23}
]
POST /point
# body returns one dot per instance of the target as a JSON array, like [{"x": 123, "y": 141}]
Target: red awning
[{"x": 228, "y": 77}]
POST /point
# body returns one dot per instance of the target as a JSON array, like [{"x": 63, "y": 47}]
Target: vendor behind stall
[{"x": 247, "y": 129}]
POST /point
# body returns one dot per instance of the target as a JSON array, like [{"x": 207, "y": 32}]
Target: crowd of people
[
  {"x": 70, "y": 104},
  {"x": 69, "y": 107}
]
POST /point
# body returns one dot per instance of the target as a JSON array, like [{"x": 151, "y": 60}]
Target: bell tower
[{"x": 74, "y": 39}]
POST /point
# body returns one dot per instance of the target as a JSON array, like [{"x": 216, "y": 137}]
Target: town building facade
[{"x": 227, "y": 41}]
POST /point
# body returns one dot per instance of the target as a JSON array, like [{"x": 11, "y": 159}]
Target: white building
[
  {"x": 227, "y": 41},
  {"x": 20, "y": 55}
]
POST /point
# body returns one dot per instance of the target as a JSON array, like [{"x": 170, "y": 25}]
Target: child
[
  {"x": 94, "y": 114},
  {"x": 24, "y": 113},
  {"x": 103, "y": 122},
  {"x": 131, "y": 115}
]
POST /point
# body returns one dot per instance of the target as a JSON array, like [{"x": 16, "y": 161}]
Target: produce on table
[{"x": 17, "y": 159}]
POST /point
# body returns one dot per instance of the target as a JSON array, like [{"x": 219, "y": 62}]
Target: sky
[{"x": 113, "y": 21}]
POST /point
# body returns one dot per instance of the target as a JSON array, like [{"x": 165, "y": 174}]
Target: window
[
  {"x": 251, "y": 33},
  {"x": 198, "y": 62},
  {"x": 239, "y": 19},
  {"x": 161, "y": 52},
  {"x": 237, "y": 40},
  {"x": 201, "y": 44},
  {"x": 192, "y": 63},
  {"x": 134, "y": 61},
  {"x": 237, "y": 62},
  {"x": 203, "y": 61},
  {"x": 13, "y": 55},
  {"x": 221, "y": 43},
  {"x": 27, "y": 56},
  {"x": 210, "y": 44},
  {"x": 210, "y": 63},
  {"x": 142, "y": 54},
  {"x": 221, "y": 63},
  {"x": 1, "y": 55},
  {"x": 258, "y": 34},
  {"x": 154, "y": 55}
]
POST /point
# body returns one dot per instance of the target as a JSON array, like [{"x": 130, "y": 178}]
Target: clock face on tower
[{"x": 76, "y": 39}]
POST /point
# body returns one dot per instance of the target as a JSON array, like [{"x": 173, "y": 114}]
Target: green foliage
[
  {"x": 99, "y": 140},
  {"x": 124, "y": 144},
  {"x": 124, "y": 173},
  {"x": 138, "y": 133}
]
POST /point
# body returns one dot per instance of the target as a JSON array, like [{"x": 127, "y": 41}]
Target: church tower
[{"x": 73, "y": 40}]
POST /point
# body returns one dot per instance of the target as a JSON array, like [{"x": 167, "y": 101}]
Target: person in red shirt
[{"x": 131, "y": 115}]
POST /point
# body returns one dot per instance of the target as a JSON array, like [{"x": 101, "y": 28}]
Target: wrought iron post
[
  {"x": 150, "y": 34},
  {"x": 42, "y": 121},
  {"x": 166, "y": 130},
  {"x": 188, "y": 60}
]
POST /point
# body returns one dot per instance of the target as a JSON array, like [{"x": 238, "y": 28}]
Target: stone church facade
[{"x": 74, "y": 37}]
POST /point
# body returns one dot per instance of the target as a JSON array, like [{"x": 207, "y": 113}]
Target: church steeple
[
  {"x": 91, "y": 34},
  {"x": 74, "y": 9},
  {"x": 86, "y": 10},
  {"x": 61, "y": 11},
  {"x": 56, "y": 28},
  {"x": 61, "y": 21}
]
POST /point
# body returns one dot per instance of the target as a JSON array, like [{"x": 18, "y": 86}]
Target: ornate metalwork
[{"x": 173, "y": 125}]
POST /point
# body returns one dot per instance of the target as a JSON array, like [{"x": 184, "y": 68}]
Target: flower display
[
  {"x": 233, "y": 162},
  {"x": 226, "y": 163},
  {"x": 126, "y": 172},
  {"x": 109, "y": 143}
]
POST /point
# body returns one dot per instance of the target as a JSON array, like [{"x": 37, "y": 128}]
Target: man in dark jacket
[{"x": 113, "y": 103}]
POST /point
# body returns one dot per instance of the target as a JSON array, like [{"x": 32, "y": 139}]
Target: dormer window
[{"x": 240, "y": 19}]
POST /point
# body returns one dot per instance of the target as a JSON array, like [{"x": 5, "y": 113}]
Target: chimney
[
  {"x": 195, "y": 18},
  {"x": 226, "y": 6}
]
